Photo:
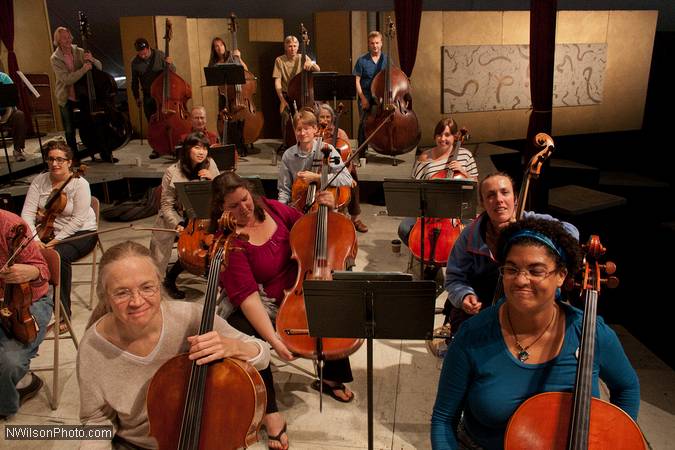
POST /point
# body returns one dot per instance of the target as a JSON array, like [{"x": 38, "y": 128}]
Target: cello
[
  {"x": 15, "y": 316},
  {"x": 212, "y": 406},
  {"x": 241, "y": 106},
  {"x": 104, "y": 127},
  {"x": 576, "y": 421},
  {"x": 391, "y": 92},
  {"x": 440, "y": 234},
  {"x": 320, "y": 242},
  {"x": 300, "y": 90},
  {"x": 171, "y": 94}
]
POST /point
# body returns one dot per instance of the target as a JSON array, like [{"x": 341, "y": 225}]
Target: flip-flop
[
  {"x": 330, "y": 390},
  {"x": 277, "y": 438}
]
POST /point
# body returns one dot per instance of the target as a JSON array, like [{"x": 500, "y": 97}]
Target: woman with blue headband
[{"x": 524, "y": 345}]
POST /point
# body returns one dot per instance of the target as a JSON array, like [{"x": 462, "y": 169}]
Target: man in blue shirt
[
  {"x": 365, "y": 69},
  {"x": 16, "y": 120}
]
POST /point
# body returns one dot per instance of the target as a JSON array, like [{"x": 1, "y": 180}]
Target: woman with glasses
[
  {"x": 131, "y": 333},
  {"x": 524, "y": 345},
  {"x": 77, "y": 217},
  {"x": 471, "y": 273}
]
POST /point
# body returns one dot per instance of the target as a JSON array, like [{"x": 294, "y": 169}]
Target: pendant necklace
[{"x": 523, "y": 355}]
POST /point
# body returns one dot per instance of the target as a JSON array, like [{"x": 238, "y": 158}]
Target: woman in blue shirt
[{"x": 524, "y": 345}]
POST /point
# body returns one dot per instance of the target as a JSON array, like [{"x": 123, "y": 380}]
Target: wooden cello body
[
  {"x": 391, "y": 91},
  {"x": 577, "y": 421},
  {"x": 213, "y": 406},
  {"x": 194, "y": 244},
  {"x": 320, "y": 242},
  {"x": 240, "y": 99},
  {"x": 172, "y": 119}
]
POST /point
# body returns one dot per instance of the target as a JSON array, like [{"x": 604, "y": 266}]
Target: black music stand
[
  {"x": 430, "y": 198},
  {"x": 372, "y": 306},
  {"x": 9, "y": 97},
  {"x": 333, "y": 86},
  {"x": 223, "y": 155},
  {"x": 195, "y": 196},
  {"x": 219, "y": 75}
]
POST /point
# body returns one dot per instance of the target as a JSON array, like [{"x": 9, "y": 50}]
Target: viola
[
  {"x": 576, "y": 421},
  {"x": 320, "y": 243},
  {"x": 194, "y": 244},
  {"x": 391, "y": 91},
  {"x": 15, "y": 316},
  {"x": 331, "y": 135},
  {"x": 104, "y": 127},
  {"x": 171, "y": 93},
  {"x": 56, "y": 203},
  {"x": 240, "y": 98},
  {"x": 212, "y": 406},
  {"x": 440, "y": 234},
  {"x": 303, "y": 193},
  {"x": 300, "y": 93}
]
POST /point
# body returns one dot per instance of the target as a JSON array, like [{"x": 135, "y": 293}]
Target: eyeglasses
[
  {"x": 124, "y": 295},
  {"x": 57, "y": 160},
  {"x": 536, "y": 274}
]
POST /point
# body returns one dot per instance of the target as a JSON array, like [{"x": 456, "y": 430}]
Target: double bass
[
  {"x": 577, "y": 421},
  {"x": 440, "y": 234},
  {"x": 212, "y": 406},
  {"x": 240, "y": 99},
  {"x": 391, "y": 91},
  {"x": 103, "y": 127},
  {"x": 171, "y": 93},
  {"x": 320, "y": 242},
  {"x": 300, "y": 93},
  {"x": 15, "y": 316}
]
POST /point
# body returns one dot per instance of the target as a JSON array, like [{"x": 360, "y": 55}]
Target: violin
[
  {"x": 194, "y": 244},
  {"x": 320, "y": 243},
  {"x": 576, "y": 421},
  {"x": 241, "y": 105},
  {"x": 171, "y": 94},
  {"x": 212, "y": 406},
  {"x": 331, "y": 135},
  {"x": 104, "y": 127},
  {"x": 15, "y": 316},
  {"x": 439, "y": 234},
  {"x": 303, "y": 193},
  {"x": 391, "y": 91},
  {"x": 56, "y": 203}
]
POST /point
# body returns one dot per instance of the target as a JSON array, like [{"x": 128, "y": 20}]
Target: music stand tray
[
  {"x": 195, "y": 196},
  {"x": 223, "y": 155},
  {"x": 224, "y": 74},
  {"x": 333, "y": 86},
  {"x": 371, "y": 306}
]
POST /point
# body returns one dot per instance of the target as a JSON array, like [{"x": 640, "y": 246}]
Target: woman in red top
[{"x": 256, "y": 277}]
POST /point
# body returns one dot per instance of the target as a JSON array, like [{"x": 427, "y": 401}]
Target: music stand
[
  {"x": 371, "y": 306},
  {"x": 195, "y": 196},
  {"x": 219, "y": 75},
  {"x": 223, "y": 155},
  {"x": 36, "y": 95},
  {"x": 333, "y": 86},
  {"x": 430, "y": 198},
  {"x": 9, "y": 97}
]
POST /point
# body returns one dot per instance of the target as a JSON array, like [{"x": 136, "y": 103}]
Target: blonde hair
[
  {"x": 374, "y": 34},
  {"x": 290, "y": 38},
  {"x": 57, "y": 32},
  {"x": 115, "y": 253},
  {"x": 304, "y": 117}
]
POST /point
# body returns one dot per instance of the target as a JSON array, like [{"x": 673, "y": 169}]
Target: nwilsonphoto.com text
[{"x": 57, "y": 432}]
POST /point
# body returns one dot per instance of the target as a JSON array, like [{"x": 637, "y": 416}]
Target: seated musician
[
  {"x": 16, "y": 120},
  {"x": 193, "y": 164},
  {"x": 435, "y": 160},
  {"x": 303, "y": 160},
  {"x": 198, "y": 118},
  {"x": 286, "y": 67},
  {"x": 255, "y": 280},
  {"x": 76, "y": 219},
  {"x": 471, "y": 273},
  {"x": 326, "y": 119},
  {"x": 131, "y": 333},
  {"x": 221, "y": 55},
  {"x": 147, "y": 65},
  {"x": 70, "y": 63},
  {"x": 17, "y": 384},
  {"x": 524, "y": 345}
]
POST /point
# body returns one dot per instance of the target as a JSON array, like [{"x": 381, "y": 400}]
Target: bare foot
[
  {"x": 276, "y": 431},
  {"x": 345, "y": 394}
]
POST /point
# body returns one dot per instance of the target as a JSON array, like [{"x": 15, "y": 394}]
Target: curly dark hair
[
  {"x": 553, "y": 230},
  {"x": 57, "y": 144},
  {"x": 224, "y": 184}
]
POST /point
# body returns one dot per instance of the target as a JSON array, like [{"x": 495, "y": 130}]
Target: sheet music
[{"x": 28, "y": 84}]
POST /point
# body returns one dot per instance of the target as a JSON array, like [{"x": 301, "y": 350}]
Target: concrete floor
[{"x": 405, "y": 373}]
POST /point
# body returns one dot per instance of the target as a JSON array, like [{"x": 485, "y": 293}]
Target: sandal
[
  {"x": 63, "y": 327},
  {"x": 330, "y": 390},
  {"x": 277, "y": 438}
]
